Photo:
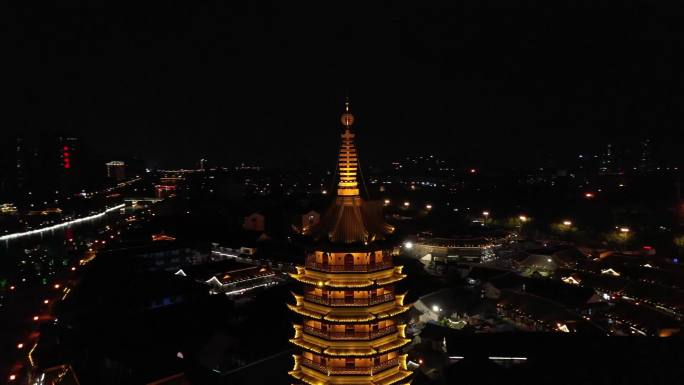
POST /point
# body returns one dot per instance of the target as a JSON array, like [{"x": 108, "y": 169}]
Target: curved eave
[
  {"x": 305, "y": 312},
  {"x": 389, "y": 280},
  {"x": 393, "y": 345},
  {"x": 389, "y": 242},
  {"x": 343, "y": 315},
  {"x": 349, "y": 318},
  {"x": 315, "y": 348},
  {"x": 344, "y": 349},
  {"x": 348, "y": 279},
  {"x": 323, "y": 271},
  {"x": 392, "y": 312}
]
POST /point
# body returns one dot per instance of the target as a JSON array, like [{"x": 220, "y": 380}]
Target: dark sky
[{"x": 503, "y": 81}]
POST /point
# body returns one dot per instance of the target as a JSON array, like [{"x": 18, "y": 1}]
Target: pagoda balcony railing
[
  {"x": 351, "y": 335},
  {"x": 311, "y": 263},
  {"x": 349, "y": 301},
  {"x": 342, "y": 370}
]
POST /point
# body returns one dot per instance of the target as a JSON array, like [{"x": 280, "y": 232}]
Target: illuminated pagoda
[{"x": 350, "y": 331}]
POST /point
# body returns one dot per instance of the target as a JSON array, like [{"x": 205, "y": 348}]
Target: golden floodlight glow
[{"x": 349, "y": 330}]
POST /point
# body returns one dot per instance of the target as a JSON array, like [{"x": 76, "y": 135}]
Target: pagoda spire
[{"x": 348, "y": 164}]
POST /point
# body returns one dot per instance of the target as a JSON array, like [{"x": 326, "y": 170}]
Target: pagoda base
[{"x": 389, "y": 377}]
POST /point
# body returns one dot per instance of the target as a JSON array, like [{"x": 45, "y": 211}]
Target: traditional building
[{"x": 350, "y": 331}]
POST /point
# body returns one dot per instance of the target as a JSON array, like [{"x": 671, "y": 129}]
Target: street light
[
  {"x": 522, "y": 218},
  {"x": 408, "y": 245},
  {"x": 567, "y": 223},
  {"x": 485, "y": 214},
  {"x": 624, "y": 229}
]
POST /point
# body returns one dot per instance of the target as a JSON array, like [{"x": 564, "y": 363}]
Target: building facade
[
  {"x": 116, "y": 170},
  {"x": 350, "y": 331}
]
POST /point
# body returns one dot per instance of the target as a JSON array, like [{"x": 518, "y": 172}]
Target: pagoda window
[
  {"x": 349, "y": 330},
  {"x": 313, "y": 324},
  {"x": 350, "y": 363},
  {"x": 363, "y": 362},
  {"x": 349, "y": 296},
  {"x": 361, "y": 328}
]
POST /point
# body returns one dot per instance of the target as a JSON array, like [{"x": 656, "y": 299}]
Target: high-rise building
[
  {"x": 350, "y": 330},
  {"x": 116, "y": 170},
  {"x": 68, "y": 148},
  {"x": 69, "y": 163},
  {"x": 645, "y": 160},
  {"x": 607, "y": 161}
]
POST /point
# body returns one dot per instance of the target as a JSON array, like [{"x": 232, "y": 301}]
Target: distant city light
[
  {"x": 523, "y": 218},
  {"x": 624, "y": 229},
  {"x": 12, "y": 377},
  {"x": 408, "y": 245},
  {"x": 567, "y": 223},
  {"x": 20, "y": 346},
  {"x": 387, "y": 201},
  {"x": 407, "y": 204},
  {"x": 485, "y": 213},
  {"x": 428, "y": 206},
  {"x": 473, "y": 171},
  {"x": 589, "y": 195}
]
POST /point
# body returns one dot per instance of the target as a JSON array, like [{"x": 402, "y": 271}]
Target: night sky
[{"x": 496, "y": 82}]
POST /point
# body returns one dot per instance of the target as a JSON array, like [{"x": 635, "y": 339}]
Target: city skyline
[{"x": 342, "y": 193}]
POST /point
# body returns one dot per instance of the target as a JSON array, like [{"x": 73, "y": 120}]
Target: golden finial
[{"x": 347, "y": 118}]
